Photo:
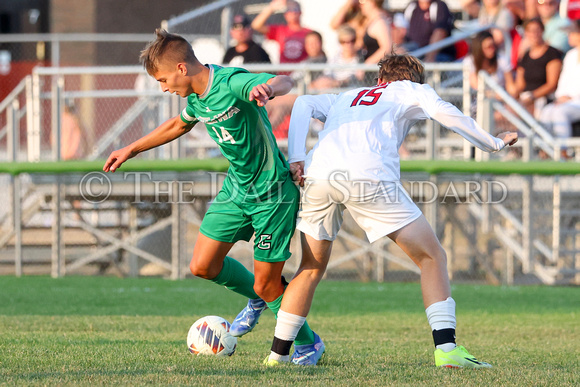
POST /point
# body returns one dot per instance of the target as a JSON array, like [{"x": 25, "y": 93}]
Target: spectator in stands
[
  {"x": 485, "y": 56},
  {"x": 350, "y": 14},
  {"x": 495, "y": 13},
  {"x": 245, "y": 50},
  {"x": 290, "y": 36},
  {"x": 554, "y": 33},
  {"x": 71, "y": 140},
  {"x": 347, "y": 55},
  {"x": 399, "y": 29},
  {"x": 519, "y": 11},
  {"x": 538, "y": 70},
  {"x": 430, "y": 21},
  {"x": 377, "y": 38},
  {"x": 471, "y": 8},
  {"x": 565, "y": 110},
  {"x": 313, "y": 47},
  {"x": 554, "y": 25}
]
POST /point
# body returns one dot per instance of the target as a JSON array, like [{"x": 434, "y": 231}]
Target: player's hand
[
  {"x": 261, "y": 94},
  {"x": 117, "y": 158},
  {"x": 297, "y": 170},
  {"x": 509, "y": 138}
]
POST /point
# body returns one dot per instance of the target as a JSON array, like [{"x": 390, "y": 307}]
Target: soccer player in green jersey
[{"x": 258, "y": 195}]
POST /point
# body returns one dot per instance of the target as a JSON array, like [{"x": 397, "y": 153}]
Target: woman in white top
[
  {"x": 565, "y": 110},
  {"x": 484, "y": 56}
]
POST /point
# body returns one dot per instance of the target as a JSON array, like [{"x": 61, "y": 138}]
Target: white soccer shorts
[{"x": 378, "y": 208}]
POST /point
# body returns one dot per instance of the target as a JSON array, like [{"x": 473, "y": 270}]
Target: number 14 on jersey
[{"x": 225, "y": 135}]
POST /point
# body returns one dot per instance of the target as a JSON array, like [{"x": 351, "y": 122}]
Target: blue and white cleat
[
  {"x": 247, "y": 319},
  {"x": 308, "y": 354}
]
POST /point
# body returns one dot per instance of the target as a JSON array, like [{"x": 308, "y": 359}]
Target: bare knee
[
  {"x": 200, "y": 268},
  {"x": 268, "y": 290},
  {"x": 437, "y": 257},
  {"x": 312, "y": 271}
]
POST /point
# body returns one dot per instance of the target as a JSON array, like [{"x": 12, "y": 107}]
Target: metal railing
[
  {"x": 49, "y": 85},
  {"x": 38, "y": 103}
]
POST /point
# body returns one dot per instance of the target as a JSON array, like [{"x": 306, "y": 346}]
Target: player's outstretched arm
[
  {"x": 166, "y": 132},
  {"x": 279, "y": 85},
  {"x": 431, "y": 106}
]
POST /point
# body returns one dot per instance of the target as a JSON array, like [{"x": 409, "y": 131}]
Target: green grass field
[{"x": 89, "y": 330}]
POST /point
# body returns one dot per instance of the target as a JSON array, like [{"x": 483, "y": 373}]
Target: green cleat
[{"x": 458, "y": 358}]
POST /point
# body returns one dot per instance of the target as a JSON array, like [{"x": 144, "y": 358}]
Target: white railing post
[
  {"x": 176, "y": 230},
  {"x": 480, "y": 110},
  {"x": 13, "y": 139},
  {"x": 467, "y": 147},
  {"x": 225, "y": 27},
  {"x": 57, "y": 253},
  {"x": 55, "y": 51},
  {"x": 33, "y": 117},
  {"x": 528, "y": 224}
]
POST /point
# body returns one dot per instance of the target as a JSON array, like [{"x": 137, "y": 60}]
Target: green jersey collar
[{"x": 209, "y": 82}]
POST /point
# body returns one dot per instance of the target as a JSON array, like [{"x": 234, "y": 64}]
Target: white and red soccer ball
[{"x": 210, "y": 335}]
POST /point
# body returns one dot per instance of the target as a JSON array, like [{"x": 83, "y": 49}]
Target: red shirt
[
  {"x": 574, "y": 9},
  {"x": 291, "y": 42}
]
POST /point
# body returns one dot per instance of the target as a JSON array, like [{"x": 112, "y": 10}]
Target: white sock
[
  {"x": 287, "y": 327},
  {"x": 441, "y": 315}
]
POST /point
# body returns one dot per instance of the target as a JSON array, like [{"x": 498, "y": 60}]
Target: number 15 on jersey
[{"x": 368, "y": 97}]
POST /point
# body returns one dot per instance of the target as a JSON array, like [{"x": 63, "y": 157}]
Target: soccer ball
[{"x": 210, "y": 335}]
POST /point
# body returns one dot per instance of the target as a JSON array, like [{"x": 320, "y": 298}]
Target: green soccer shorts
[{"x": 273, "y": 221}]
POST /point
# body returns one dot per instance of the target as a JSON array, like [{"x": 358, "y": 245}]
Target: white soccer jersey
[{"x": 365, "y": 127}]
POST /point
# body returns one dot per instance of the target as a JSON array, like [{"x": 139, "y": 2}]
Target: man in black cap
[{"x": 245, "y": 49}]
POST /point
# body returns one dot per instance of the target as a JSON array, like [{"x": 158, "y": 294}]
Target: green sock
[
  {"x": 237, "y": 278},
  {"x": 305, "y": 334}
]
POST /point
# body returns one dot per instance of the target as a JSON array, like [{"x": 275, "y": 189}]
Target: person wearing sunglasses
[
  {"x": 347, "y": 55},
  {"x": 554, "y": 24}
]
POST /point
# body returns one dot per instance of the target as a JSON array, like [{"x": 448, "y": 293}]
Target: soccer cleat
[
  {"x": 458, "y": 358},
  {"x": 271, "y": 362},
  {"x": 308, "y": 354},
  {"x": 247, "y": 319}
]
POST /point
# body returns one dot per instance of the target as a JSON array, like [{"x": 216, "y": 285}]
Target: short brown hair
[
  {"x": 403, "y": 67},
  {"x": 534, "y": 20},
  {"x": 167, "y": 46}
]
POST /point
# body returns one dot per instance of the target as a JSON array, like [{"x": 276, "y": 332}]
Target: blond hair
[
  {"x": 404, "y": 67},
  {"x": 166, "y": 47},
  {"x": 346, "y": 30}
]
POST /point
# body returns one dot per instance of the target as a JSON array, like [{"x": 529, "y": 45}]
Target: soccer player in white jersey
[{"x": 355, "y": 165}]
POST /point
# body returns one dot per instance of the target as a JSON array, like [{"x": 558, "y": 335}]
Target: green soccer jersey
[{"x": 242, "y": 131}]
